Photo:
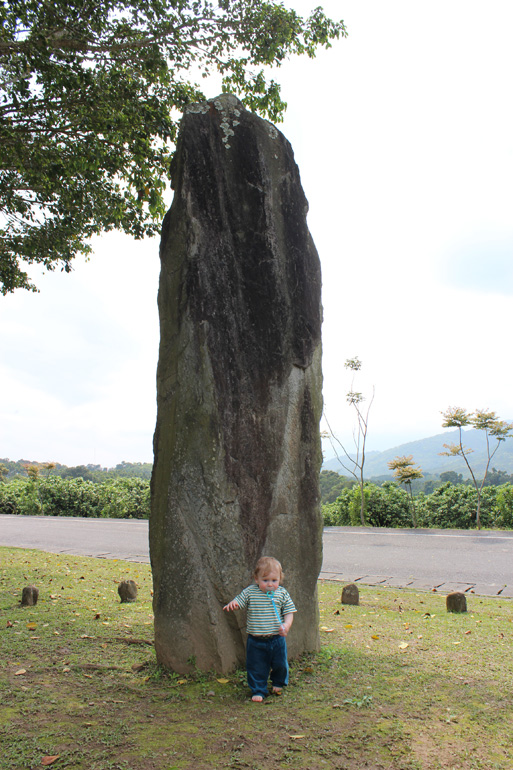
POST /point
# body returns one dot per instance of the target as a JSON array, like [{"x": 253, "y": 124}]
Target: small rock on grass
[
  {"x": 127, "y": 591},
  {"x": 350, "y": 594},
  {"x": 29, "y": 596},
  {"x": 456, "y": 602}
]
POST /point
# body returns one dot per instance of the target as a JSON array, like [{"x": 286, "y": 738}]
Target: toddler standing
[{"x": 270, "y": 614}]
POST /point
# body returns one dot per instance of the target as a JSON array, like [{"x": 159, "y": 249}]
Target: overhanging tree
[
  {"x": 493, "y": 427},
  {"x": 91, "y": 92}
]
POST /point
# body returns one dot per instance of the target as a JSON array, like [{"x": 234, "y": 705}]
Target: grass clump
[{"x": 399, "y": 684}]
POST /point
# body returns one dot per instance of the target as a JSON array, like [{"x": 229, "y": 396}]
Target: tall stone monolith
[{"x": 237, "y": 448}]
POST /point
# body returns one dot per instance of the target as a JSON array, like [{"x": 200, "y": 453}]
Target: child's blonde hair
[{"x": 265, "y": 565}]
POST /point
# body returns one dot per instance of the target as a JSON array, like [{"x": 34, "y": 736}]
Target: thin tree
[
  {"x": 356, "y": 462},
  {"x": 405, "y": 472},
  {"x": 493, "y": 427}
]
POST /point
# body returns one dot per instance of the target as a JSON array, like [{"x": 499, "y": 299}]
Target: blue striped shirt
[{"x": 261, "y": 618}]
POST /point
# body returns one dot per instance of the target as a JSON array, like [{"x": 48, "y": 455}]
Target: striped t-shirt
[{"x": 261, "y": 618}]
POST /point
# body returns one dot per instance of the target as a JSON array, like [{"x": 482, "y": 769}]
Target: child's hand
[
  {"x": 232, "y": 606},
  {"x": 287, "y": 622}
]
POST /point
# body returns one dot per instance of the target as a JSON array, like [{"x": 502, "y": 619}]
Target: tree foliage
[
  {"x": 331, "y": 485},
  {"x": 91, "y": 92},
  {"x": 452, "y": 477}
]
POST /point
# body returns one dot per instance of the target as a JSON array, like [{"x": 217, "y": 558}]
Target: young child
[{"x": 266, "y": 648}]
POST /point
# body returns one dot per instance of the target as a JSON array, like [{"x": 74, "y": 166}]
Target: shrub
[
  {"x": 69, "y": 497},
  {"x": 450, "y": 506},
  {"x": 56, "y": 496},
  {"x": 504, "y": 504},
  {"x": 337, "y": 514},
  {"x": 385, "y": 506},
  {"x": 18, "y": 497},
  {"x": 388, "y": 506},
  {"x": 125, "y": 498},
  {"x": 454, "y": 506}
]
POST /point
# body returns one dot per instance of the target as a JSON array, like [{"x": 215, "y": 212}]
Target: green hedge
[
  {"x": 121, "y": 498},
  {"x": 449, "y": 506},
  {"x": 385, "y": 506}
]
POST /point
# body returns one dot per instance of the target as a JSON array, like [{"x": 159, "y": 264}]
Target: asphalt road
[{"x": 444, "y": 560}]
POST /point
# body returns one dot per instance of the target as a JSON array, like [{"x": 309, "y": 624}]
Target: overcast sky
[{"x": 403, "y": 134}]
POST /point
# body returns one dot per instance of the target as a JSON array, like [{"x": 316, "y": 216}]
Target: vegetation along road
[{"x": 444, "y": 560}]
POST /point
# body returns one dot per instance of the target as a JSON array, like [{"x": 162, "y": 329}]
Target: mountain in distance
[{"x": 426, "y": 453}]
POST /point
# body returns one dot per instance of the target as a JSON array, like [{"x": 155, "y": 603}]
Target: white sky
[{"x": 403, "y": 134}]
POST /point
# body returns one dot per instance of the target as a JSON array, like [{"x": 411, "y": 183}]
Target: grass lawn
[{"x": 399, "y": 684}]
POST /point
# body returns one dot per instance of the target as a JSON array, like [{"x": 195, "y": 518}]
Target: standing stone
[{"x": 236, "y": 445}]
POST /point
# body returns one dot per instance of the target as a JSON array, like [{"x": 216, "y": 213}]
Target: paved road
[
  {"x": 446, "y": 560},
  {"x": 480, "y": 562},
  {"x": 104, "y": 538}
]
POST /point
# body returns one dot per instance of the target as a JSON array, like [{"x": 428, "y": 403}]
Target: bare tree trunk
[{"x": 413, "y": 509}]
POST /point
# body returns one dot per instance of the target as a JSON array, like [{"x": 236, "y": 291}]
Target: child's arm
[
  {"x": 233, "y": 605},
  {"x": 287, "y": 622}
]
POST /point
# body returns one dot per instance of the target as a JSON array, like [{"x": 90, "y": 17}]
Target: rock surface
[
  {"x": 350, "y": 594},
  {"x": 456, "y": 602},
  {"x": 236, "y": 445},
  {"x": 29, "y": 596},
  {"x": 127, "y": 591}
]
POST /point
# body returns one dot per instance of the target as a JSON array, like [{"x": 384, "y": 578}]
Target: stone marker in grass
[
  {"x": 127, "y": 591},
  {"x": 351, "y": 594},
  {"x": 29, "y": 596},
  {"x": 456, "y": 602}
]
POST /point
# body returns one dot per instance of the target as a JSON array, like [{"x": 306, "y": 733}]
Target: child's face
[{"x": 268, "y": 582}]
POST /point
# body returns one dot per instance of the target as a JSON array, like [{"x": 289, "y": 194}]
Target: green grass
[{"x": 399, "y": 684}]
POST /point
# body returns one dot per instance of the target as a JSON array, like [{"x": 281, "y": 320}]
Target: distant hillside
[
  {"x": 426, "y": 453},
  {"x": 12, "y": 468}
]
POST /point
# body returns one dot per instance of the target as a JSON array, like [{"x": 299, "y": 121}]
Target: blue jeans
[{"x": 264, "y": 657}]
